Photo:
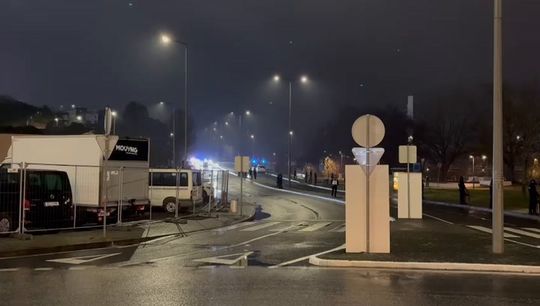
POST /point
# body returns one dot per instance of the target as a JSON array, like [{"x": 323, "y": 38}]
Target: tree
[{"x": 447, "y": 135}]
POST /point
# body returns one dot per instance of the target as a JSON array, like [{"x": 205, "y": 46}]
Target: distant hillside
[{"x": 17, "y": 113}]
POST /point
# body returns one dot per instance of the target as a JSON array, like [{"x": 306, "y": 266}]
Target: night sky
[{"x": 356, "y": 52}]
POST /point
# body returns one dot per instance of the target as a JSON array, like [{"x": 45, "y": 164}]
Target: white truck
[{"x": 105, "y": 172}]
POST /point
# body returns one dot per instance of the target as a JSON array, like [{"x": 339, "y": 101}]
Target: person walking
[
  {"x": 533, "y": 197},
  {"x": 315, "y": 178},
  {"x": 463, "y": 192},
  {"x": 305, "y": 177},
  {"x": 334, "y": 187},
  {"x": 254, "y": 173},
  {"x": 294, "y": 175},
  {"x": 250, "y": 173},
  {"x": 310, "y": 177}
]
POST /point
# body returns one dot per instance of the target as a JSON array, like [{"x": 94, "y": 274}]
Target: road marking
[
  {"x": 260, "y": 226},
  {"x": 523, "y": 243},
  {"x": 307, "y": 257},
  {"x": 532, "y": 229},
  {"x": 225, "y": 259},
  {"x": 82, "y": 259},
  {"x": 439, "y": 219},
  {"x": 315, "y": 227},
  {"x": 488, "y": 230},
  {"x": 43, "y": 269},
  {"x": 520, "y": 232},
  {"x": 9, "y": 269},
  {"x": 235, "y": 226},
  {"x": 77, "y": 268},
  {"x": 339, "y": 229}
]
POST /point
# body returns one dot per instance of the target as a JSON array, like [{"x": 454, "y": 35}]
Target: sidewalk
[
  {"x": 125, "y": 234},
  {"x": 433, "y": 245}
]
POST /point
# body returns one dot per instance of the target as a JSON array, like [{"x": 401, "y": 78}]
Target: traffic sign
[{"x": 368, "y": 131}]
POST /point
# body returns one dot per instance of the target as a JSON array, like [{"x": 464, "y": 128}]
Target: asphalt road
[{"x": 259, "y": 262}]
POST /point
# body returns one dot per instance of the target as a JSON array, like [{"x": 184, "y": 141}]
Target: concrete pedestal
[
  {"x": 357, "y": 237},
  {"x": 415, "y": 190}
]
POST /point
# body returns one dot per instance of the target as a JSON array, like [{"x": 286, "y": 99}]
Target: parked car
[
  {"x": 261, "y": 169},
  {"x": 47, "y": 202},
  {"x": 168, "y": 185}
]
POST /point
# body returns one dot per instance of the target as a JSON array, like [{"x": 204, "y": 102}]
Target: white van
[{"x": 163, "y": 189}]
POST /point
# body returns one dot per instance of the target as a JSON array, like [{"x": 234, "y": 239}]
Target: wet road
[{"x": 260, "y": 262}]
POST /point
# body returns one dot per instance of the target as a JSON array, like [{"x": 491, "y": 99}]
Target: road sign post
[{"x": 241, "y": 165}]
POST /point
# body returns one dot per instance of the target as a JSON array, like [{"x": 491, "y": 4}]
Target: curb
[
  {"x": 482, "y": 209},
  {"x": 109, "y": 243},
  {"x": 427, "y": 266}
]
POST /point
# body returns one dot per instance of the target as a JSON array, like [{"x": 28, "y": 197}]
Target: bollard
[{"x": 234, "y": 206}]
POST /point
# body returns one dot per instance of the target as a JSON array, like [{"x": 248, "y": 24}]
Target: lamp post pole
[
  {"x": 290, "y": 134},
  {"x": 498, "y": 200}
]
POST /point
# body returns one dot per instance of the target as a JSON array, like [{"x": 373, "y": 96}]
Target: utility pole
[{"x": 498, "y": 176}]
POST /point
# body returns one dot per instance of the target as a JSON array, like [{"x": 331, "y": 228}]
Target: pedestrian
[
  {"x": 250, "y": 172},
  {"x": 305, "y": 177},
  {"x": 294, "y": 174},
  {"x": 463, "y": 192},
  {"x": 310, "y": 176},
  {"x": 254, "y": 173},
  {"x": 315, "y": 178},
  {"x": 279, "y": 181},
  {"x": 334, "y": 187},
  {"x": 533, "y": 197}
]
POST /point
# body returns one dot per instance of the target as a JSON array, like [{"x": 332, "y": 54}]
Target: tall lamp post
[
  {"x": 498, "y": 199},
  {"x": 471, "y": 157},
  {"x": 303, "y": 79},
  {"x": 166, "y": 40}
]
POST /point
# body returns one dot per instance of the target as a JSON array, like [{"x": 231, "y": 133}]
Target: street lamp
[
  {"x": 173, "y": 123},
  {"x": 114, "y": 114},
  {"x": 471, "y": 157},
  {"x": 56, "y": 120},
  {"x": 167, "y": 40},
  {"x": 303, "y": 79},
  {"x": 79, "y": 118}
]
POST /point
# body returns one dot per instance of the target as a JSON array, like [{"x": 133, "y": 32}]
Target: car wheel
[
  {"x": 170, "y": 206},
  {"x": 6, "y": 223}
]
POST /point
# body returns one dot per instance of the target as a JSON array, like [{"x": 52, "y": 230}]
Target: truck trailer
[{"x": 105, "y": 172}]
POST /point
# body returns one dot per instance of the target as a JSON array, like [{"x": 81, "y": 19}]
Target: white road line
[
  {"x": 306, "y": 257},
  {"x": 235, "y": 226},
  {"x": 43, "y": 269},
  {"x": 9, "y": 269},
  {"x": 78, "y": 268},
  {"x": 439, "y": 219},
  {"x": 288, "y": 228},
  {"x": 520, "y": 232},
  {"x": 488, "y": 230},
  {"x": 339, "y": 229},
  {"x": 532, "y": 229},
  {"x": 260, "y": 226},
  {"x": 315, "y": 227},
  {"x": 252, "y": 240},
  {"x": 523, "y": 243}
]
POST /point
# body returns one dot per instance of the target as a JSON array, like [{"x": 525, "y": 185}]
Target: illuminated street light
[
  {"x": 72, "y": 105},
  {"x": 303, "y": 79},
  {"x": 171, "y": 134},
  {"x": 291, "y": 133},
  {"x": 165, "y": 39},
  {"x": 227, "y": 123},
  {"x": 161, "y": 103},
  {"x": 248, "y": 113},
  {"x": 114, "y": 113},
  {"x": 484, "y": 157},
  {"x": 79, "y": 118},
  {"x": 252, "y": 136}
]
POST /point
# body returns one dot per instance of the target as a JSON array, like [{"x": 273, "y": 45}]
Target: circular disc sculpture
[{"x": 368, "y": 131}]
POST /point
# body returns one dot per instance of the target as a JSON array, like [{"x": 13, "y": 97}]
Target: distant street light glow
[
  {"x": 252, "y": 136},
  {"x": 276, "y": 78},
  {"x": 304, "y": 79},
  {"x": 165, "y": 39},
  {"x": 114, "y": 113},
  {"x": 171, "y": 134},
  {"x": 248, "y": 113},
  {"x": 79, "y": 118}
]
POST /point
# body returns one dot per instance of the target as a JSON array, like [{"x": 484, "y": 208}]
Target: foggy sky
[{"x": 356, "y": 52}]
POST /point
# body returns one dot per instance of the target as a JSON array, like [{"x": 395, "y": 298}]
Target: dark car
[{"x": 47, "y": 202}]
